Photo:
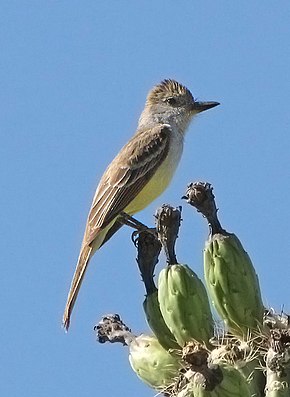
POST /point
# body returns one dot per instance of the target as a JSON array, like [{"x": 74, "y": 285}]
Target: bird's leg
[{"x": 128, "y": 220}]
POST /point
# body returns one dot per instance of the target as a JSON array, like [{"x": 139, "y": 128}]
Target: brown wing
[{"x": 126, "y": 176}]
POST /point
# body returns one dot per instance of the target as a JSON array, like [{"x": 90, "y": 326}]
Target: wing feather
[{"x": 126, "y": 176}]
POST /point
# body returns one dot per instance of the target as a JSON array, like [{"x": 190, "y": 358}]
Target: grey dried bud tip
[
  {"x": 200, "y": 195},
  {"x": 112, "y": 329},
  {"x": 168, "y": 221}
]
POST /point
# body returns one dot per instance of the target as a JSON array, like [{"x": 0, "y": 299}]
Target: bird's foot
[{"x": 130, "y": 221}]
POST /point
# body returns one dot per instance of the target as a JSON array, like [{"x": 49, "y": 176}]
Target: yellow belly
[
  {"x": 157, "y": 184},
  {"x": 150, "y": 192}
]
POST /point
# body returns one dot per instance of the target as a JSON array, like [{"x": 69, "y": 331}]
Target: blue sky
[{"x": 74, "y": 77}]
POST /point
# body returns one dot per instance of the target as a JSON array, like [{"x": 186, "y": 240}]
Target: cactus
[
  {"x": 233, "y": 383},
  {"x": 181, "y": 294},
  {"x": 233, "y": 284},
  {"x": 184, "y": 304},
  {"x": 209, "y": 377},
  {"x": 230, "y": 277},
  {"x": 250, "y": 357},
  {"x": 148, "y": 249},
  {"x": 278, "y": 365},
  {"x": 153, "y": 364},
  {"x": 156, "y": 322},
  {"x": 243, "y": 356}
]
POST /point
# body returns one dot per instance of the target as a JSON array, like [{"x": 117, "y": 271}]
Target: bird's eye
[{"x": 172, "y": 101}]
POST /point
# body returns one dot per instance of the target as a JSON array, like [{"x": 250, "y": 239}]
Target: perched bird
[{"x": 139, "y": 173}]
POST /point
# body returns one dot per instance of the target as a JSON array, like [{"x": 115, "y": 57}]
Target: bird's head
[{"x": 171, "y": 102}]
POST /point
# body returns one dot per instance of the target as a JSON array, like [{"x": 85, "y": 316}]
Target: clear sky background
[{"x": 74, "y": 78}]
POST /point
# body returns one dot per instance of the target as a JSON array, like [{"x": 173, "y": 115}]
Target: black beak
[{"x": 202, "y": 106}]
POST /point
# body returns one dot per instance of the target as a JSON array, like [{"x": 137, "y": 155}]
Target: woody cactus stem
[{"x": 148, "y": 250}]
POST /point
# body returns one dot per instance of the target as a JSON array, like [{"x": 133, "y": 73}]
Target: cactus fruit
[
  {"x": 184, "y": 305},
  {"x": 154, "y": 365},
  {"x": 233, "y": 284}
]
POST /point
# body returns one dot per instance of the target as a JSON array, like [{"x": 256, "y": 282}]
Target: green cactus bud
[
  {"x": 233, "y": 383},
  {"x": 154, "y": 365},
  {"x": 156, "y": 322},
  {"x": 246, "y": 358},
  {"x": 184, "y": 305},
  {"x": 229, "y": 383},
  {"x": 233, "y": 284}
]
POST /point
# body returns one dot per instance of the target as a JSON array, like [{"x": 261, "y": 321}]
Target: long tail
[
  {"x": 86, "y": 253},
  {"x": 81, "y": 268}
]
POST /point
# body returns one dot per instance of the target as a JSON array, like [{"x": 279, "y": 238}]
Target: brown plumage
[{"x": 139, "y": 173}]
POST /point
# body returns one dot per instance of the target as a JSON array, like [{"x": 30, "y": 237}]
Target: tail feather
[
  {"x": 82, "y": 264},
  {"x": 86, "y": 253}
]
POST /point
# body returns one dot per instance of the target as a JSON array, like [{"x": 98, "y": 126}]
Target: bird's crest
[{"x": 167, "y": 88}]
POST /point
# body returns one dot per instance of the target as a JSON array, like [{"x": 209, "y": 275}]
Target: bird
[{"x": 139, "y": 173}]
